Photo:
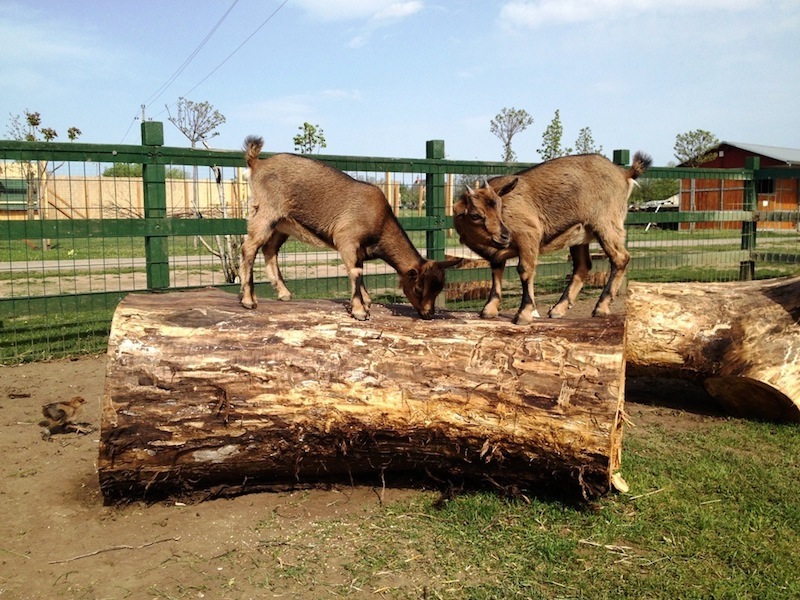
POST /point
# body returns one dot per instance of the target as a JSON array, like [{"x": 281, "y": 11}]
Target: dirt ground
[{"x": 58, "y": 540}]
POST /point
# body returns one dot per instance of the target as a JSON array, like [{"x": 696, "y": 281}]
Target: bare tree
[
  {"x": 508, "y": 123},
  {"x": 198, "y": 121}
]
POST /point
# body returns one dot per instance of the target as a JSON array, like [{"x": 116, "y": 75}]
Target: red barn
[{"x": 778, "y": 194}]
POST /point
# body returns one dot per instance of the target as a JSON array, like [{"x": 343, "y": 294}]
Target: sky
[{"x": 381, "y": 77}]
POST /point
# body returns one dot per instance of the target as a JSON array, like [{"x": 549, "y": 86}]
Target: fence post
[
  {"x": 622, "y": 157},
  {"x": 156, "y": 247},
  {"x": 434, "y": 201},
  {"x": 747, "y": 268}
]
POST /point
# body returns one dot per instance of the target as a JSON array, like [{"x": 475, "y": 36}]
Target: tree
[
  {"x": 585, "y": 143},
  {"x": 135, "y": 170},
  {"x": 653, "y": 189},
  {"x": 551, "y": 140},
  {"x": 694, "y": 148},
  {"x": 31, "y": 130},
  {"x": 198, "y": 121},
  {"x": 508, "y": 123},
  {"x": 310, "y": 139}
]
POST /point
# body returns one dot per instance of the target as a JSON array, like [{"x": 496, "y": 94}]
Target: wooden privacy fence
[{"x": 67, "y": 258}]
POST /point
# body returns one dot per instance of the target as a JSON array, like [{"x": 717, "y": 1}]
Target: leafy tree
[
  {"x": 694, "y": 148},
  {"x": 311, "y": 138},
  {"x": 508, "y": 123},
  {"x": 551, "y": 140},
  {"x": 585, "y": 143},
  {"x": 135, "y": 170},
  {"x": 654, "y": 189}
]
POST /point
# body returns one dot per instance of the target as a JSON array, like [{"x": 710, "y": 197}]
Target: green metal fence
[{"x": 76, "y": 236}]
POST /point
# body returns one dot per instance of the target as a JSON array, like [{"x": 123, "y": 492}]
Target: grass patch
[{"x": 724, "y": 524}]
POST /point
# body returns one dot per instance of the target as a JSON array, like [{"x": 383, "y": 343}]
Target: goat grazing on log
[
  {"x": 560, "y": 203},
  {"x": 297, "y": 196}
]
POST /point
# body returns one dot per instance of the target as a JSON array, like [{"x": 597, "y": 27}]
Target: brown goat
[
  {"x": 297, "y": 196},
  {"x": 560, "y": 203}
]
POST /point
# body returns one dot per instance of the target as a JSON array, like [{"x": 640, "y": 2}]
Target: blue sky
[{"x": 383, "y": 76}]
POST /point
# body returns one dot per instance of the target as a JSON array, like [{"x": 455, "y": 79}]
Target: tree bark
[
  {"x": 740, "y": 339},
  {"x": 203, "y": 395}
]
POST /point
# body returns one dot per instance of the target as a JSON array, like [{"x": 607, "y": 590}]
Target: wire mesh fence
[{"x": 83, "y": 225}]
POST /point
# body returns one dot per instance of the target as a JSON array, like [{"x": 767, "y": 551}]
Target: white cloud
[
  {"x": 288, "y": 110},
  {"x": 349, "y": 10},
  {"x": 535, "y": 13},
  {"x": 342, "y": 94}
]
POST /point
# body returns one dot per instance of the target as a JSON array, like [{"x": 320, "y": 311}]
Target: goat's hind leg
[
  {"x": 619, "y": 258},
  {"x": 581, "y": 265},
  {"x": 270, "y": 250},
  {"x": 250, "y": 247}
]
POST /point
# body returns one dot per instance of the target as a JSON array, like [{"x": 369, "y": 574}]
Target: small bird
[{"x": 58, "y": 417}]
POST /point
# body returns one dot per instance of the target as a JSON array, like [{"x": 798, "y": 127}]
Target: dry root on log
[
  {"x": 203, "y": 395},
  {"x": 741, "y": 340}
]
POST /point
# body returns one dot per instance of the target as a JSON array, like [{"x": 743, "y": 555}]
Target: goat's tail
[
  {"x": 252, "y": 148},
  {"x": 641, "y": 162}
]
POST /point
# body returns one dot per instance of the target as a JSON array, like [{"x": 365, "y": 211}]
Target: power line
[
  {"x": 157, "y": 94},
  {"x": 239, "y": 47}
]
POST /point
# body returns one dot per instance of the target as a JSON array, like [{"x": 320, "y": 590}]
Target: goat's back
[
  {"x": 567, "y": 190},
  {"x": 309, "y": 192}
]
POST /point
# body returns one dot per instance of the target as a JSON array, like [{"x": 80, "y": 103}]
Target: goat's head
[
  {"x": 478, "y": 216},
  {"x": 421, "y": 286}
]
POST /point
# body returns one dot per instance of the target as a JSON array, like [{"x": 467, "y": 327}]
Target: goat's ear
[
  {"x": 460, "y": 208},
  {"x": 508, "y": 187},
  {"x": 452, "y": 262}
]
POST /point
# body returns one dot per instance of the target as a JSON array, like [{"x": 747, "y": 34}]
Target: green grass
[{"x": 712, "y": 514}]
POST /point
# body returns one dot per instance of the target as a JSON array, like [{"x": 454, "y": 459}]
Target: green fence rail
[{"x": 72, "y": 246}]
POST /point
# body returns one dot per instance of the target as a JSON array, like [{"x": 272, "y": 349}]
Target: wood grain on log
[
  {"x": 202, "y": 394},
  {"x": 741, "y": 339}
]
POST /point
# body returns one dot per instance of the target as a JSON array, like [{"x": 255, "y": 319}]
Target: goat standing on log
[
  {"x": 297, "y": 196},
  {"x": 560, "y": 203}
]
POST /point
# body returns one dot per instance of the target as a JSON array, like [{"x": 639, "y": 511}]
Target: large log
[
  {"x": 203, "y": 395},
  {"x": 741, "y": 340}
]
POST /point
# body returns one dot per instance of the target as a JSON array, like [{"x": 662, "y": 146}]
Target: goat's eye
[{"x": 476, "y": 217}]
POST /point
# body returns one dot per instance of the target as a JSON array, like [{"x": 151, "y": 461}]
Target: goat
[
  {"x": 564, "y": 202},
  {"x": 297, "y": 196}
]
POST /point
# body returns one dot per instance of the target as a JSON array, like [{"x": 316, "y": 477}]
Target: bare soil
[{"x": 59, "y": 540}]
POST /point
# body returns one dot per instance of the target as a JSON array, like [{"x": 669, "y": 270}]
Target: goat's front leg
[
  {"x": 581, "y": 265},
  {"x": 492, "y": 307},
  {"x": 249, "y": 250},
  {"x": 527, "y": 308}
]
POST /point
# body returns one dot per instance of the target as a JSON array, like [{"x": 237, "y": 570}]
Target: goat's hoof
[
  {"x": 249, "y": 305},
  {"x": 284, "y": 297},
  {"x": 521, "y": 320},
  {"x": 557, "y": 312},
  {"x": 598, "y": 312},
  {"x": 488, "y": 315},
  {"x": 360, "y": 316}
]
